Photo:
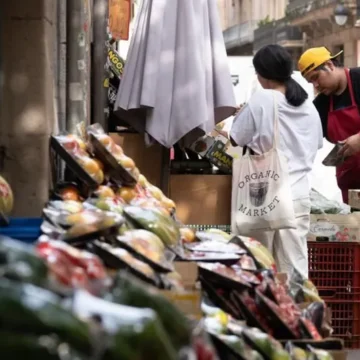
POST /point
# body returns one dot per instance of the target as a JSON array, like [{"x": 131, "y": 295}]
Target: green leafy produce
[
  {"x": 23, "y": 346},
  {"x": 134, "y": 333},
  {"x": 162, "y": 226},
  {"x": 31, "y": 310},
  {"x": 128, "y": 290},
  {"x": 18, "y": 261}
]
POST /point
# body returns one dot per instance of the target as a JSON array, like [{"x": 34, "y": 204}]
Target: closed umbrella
[{"x": 176, "y": 84}]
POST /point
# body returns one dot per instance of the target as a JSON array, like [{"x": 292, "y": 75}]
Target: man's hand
[{"x": 351, "y": 146}]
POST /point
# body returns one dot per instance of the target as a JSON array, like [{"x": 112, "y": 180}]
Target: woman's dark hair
[{"x": 273, "y": 62}]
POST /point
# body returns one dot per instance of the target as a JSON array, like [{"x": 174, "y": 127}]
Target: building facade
[
  {"x": 295, "y": 24},
  {"x": 250, "y": 24},
  {"x": 316, "y": 20}
]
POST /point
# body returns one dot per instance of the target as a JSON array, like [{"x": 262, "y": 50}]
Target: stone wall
[{"x": 27, "y": 111}]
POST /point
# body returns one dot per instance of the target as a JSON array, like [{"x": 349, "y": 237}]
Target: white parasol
[{"x": 176, "y": 80}]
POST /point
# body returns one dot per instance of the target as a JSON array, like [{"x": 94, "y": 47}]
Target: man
[{"x": 338, "y": 104}]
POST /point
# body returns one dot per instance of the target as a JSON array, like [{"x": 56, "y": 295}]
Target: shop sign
[
  {"x": 219, "y": 157},
  {"x": 117, "y": 63},
  {"x": 119, "y": 18}
]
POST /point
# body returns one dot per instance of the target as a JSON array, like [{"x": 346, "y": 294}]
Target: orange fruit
[
  {"x": 90, "y": 165},
  {"x": 106, "y": 140},
  {"x": 104, "y": 192},
  {"x": 187, "y": 235},
  {"x": 127, "y": 194},
  {"x": 101, "y": 165},
  {"x": 142, "y": 180},
  {"x": 156, "y": 192},
  {"x": 99, "y": 176},
  {"x": 126, "y": 162}
]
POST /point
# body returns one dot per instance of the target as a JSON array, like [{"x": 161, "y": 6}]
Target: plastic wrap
[
  {"x": 321, "y": 205},
  {"x": 130, "y": 291}
]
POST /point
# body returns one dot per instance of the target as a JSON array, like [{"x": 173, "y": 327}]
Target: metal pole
[
  {"x": 99, "y": 74},
  {"x": 78, "y": 64}
]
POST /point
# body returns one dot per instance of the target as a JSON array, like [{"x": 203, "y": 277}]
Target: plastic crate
[
  {"x": 23, "y": 229},
  {"x": 334, "y": 268}
]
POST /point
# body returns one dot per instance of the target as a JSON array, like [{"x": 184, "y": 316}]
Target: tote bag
[{"x": 261, "y": 194}]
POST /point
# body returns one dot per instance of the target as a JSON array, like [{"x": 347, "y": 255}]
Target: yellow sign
[{"x": 119, "y": 18}]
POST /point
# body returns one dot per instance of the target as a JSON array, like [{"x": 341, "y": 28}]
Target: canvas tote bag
[{"x": 261, "y": 194}]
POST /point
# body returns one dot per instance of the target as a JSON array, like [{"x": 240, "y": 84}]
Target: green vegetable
[
  {"x": 32, "y": 310},
  {"x": 19, "y": 262},
  {"x": 130, "y": 291},
  {"x": 22, "y": 346},
  {"x": 162, "y": 226},
  {"x": 135, "y": 333}
]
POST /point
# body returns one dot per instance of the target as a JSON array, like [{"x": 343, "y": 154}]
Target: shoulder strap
[{"x": 276, "y": 123}]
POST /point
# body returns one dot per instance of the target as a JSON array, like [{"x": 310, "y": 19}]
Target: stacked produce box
[{"x": 92, "y": 286}]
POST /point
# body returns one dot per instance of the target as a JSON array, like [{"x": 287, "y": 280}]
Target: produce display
[{"x": 94, "y": 284}]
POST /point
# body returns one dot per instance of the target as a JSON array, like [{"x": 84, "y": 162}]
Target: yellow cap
[{"x": 314, "y": 57}]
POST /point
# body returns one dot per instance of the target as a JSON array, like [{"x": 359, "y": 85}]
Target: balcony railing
[
  {"x": 297, "y": 8},
  {"x": 240, "y": 34},
  {"x": 276, "y": 32}
]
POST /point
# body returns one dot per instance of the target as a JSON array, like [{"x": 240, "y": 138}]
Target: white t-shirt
[{"x": 300, "y": 134}]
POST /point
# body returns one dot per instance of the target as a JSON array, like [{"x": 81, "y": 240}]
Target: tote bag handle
[{"x": 276, "y": 141}]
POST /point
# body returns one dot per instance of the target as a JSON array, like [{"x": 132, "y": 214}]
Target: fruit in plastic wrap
[
  {"x": 6, "y": 197},
  {"x": 260, "y": 252},
  {"x": 104, "y": 192},
  {"x": 127, "y": 194},
  {"x": 265, "y": 344},
  {"x": 147, "y": 236},
  {"x": 320, "y": 354},
  {"x": 130, "y": 291},
  {"x": 70, "y": 193},
  {"x": 164, "y": 227},
  {"x": 187, "y": 235},
  {"x": 298, "y": 354},
  {"x": 223, "y": 234}
]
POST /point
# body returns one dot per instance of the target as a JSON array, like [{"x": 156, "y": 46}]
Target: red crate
[{"x": 334, "y": 268}]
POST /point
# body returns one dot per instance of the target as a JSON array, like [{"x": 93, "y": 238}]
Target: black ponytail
[
  {"x": 273, "y": 62},
  {"x": 295, "y": 94}
]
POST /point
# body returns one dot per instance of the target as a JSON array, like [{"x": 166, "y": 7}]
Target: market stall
[{"x": 115, "y": 275}]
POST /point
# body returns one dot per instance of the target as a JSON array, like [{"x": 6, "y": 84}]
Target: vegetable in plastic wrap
[
  {"x": 19, "y": 261},
  {"x": 321, "y": 205},
  {"x": 136, "y": 333},
  {"x": 128, "y": 290},
  {"x": 302, "y": 290},
  {"x": 28, "y": 309},
  {"x": 14, "y": 345}
]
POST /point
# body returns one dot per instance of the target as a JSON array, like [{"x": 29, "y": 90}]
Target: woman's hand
[{"x": 239, "y": 108}]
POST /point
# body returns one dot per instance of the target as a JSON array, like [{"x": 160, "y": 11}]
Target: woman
[{"x": 300, "y": 136}]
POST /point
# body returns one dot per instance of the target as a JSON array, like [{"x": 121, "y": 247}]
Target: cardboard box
[
  {"x": 188, "y": 301},
  {"x": 335, "y": 227},
  {"x": 202, "y": 199},
  {"x": 147, "y": 159},
  {"x": 354, "y": 199}
]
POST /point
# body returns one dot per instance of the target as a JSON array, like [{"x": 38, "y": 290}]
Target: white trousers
[{"x": 289, "y": 246}]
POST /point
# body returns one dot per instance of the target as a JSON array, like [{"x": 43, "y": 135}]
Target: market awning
[{"x": 176, "y": 81}]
